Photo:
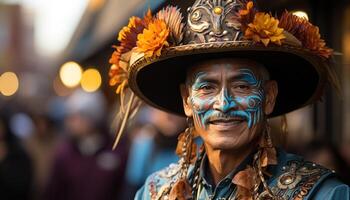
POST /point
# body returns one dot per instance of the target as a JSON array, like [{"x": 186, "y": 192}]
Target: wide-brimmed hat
[{"x": 156, "y": 51}]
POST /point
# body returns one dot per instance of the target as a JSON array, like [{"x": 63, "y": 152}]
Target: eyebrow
[
  {"x": 243, "y": 75},
  {"x": 203, "y": 77},
  {"x": 246, "y": 75}
]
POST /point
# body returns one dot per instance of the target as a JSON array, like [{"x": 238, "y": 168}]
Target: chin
[{"x": 226, "y": 142}]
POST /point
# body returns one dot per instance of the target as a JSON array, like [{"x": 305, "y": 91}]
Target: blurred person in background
[
  {"x": 15, "y": 165},
  {"x": 85, "y": 167},
  {"x": 40, "y": 146},
  {"x": 152, "y": 147}
]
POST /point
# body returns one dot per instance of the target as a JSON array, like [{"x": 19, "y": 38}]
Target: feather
[{"x": 172, "y": 16}]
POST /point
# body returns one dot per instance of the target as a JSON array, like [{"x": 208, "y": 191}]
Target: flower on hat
[
  {"x": 264, "y": 28},
  {"x": 118, "y": 77},
  {"x": 246, "y": 15},
  {"x": 148, "y": 35},
  {"x": 127, "y": 38},
  {"x": 307, "y": 33},
  {"x": 153, "y": 38}
]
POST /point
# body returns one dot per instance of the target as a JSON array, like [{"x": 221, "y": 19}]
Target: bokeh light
[
  {"x": 301, "y": 14},
  {"x": 70, "y": 74},
  {"x": 95, "y": 5},
  {"x": 91, "y": 80},
  {"x": 9, "y": 83}
]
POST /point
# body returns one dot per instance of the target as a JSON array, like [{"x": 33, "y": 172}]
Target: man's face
[{"x": 228, "y": 100}]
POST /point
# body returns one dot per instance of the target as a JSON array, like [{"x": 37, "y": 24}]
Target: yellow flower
[
  {"x": 264, "y": 28},
  {"x": 153, "y": 38}
]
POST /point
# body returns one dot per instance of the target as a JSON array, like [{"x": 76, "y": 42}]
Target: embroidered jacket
[{"x": 292, "y": 178}]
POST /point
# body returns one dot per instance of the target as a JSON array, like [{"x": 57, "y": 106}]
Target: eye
[
  {"x": 207, "y": 87},
  {"x": 242, "y": 87}
]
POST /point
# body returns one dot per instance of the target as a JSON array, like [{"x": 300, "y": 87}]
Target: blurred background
[{"x": 56, "y": 107}]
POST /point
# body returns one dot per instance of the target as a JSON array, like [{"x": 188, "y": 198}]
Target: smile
[{"x": 227, "y": 121}]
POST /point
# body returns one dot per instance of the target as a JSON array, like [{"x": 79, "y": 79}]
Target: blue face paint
[{"x": 240, "y": 98}]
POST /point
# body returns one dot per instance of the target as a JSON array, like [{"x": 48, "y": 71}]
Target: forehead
[{"x": 228, "y": 67}]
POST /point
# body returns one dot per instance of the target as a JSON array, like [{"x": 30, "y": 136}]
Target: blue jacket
[{"x": 292, "y": 178}]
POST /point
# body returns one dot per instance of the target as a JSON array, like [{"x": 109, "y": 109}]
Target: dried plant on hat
[
  {"x": 310, "y": 38},
  {"x": 307, "y": 33}
]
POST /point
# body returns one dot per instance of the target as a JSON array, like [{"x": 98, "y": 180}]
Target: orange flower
[
  {"x": 307, "y": 33},
  {"x": 118, "y": 76},
  {"x": 246, "y": 16},
  {"x": 249, "y": 7},
  {"x": 153, "y": 38},
  {"x": 264, "y": 28},
  {"x": 127, "y": 38}
]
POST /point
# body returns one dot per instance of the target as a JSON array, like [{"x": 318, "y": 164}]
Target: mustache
[{"x": 233, "y": 115}]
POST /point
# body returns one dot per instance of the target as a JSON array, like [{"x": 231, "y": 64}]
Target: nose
[{"x": 224, "y": 102}]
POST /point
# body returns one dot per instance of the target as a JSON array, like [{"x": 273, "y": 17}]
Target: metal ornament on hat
[{"x": 213, "y": 21}]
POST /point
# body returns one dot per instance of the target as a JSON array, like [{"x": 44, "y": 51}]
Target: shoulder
[
  {"x": 296, "y": 178},
  {"x": 331, "y": 188},
  {"x": 159, "y": 182}
]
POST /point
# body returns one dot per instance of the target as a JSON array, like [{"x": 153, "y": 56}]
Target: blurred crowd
[{"x": 65, "y": 153}]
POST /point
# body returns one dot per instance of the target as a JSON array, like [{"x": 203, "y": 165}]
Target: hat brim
[{"x": 300, "y": 74}]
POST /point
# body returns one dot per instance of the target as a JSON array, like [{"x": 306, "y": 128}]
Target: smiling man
[
  {"x": 228, "y": 100},
  {"x": 228, "y": 70}
]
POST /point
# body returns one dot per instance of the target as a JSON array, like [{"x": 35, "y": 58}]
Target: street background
[{"x": 57, "y": 109}]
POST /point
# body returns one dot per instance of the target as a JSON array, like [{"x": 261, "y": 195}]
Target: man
[{"x": 228, "y": 70}]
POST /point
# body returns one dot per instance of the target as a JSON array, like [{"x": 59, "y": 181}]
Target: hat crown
[{"x": 213, "y": 21}]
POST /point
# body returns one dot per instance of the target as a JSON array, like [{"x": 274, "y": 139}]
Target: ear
[
  {"x": 186, "y": 100},
  {"x": 271, "y": 91}
]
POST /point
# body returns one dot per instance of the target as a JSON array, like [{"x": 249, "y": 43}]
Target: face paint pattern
[{"x": 246, "y": 105}]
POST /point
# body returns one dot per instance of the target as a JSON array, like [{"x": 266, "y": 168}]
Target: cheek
[
  {"x": 252, "y": 102},
  {"x": 201, "y": 104}
]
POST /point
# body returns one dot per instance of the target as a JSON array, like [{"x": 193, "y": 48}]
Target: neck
[{"x": 222, "y": 162}]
